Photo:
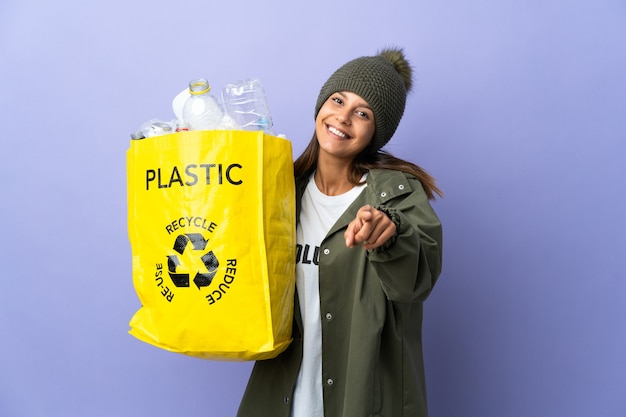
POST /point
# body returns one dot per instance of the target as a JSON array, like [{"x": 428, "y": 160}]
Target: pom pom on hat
[{"x": 383, "y": 81}]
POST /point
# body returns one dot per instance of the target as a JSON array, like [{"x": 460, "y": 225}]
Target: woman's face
[{"x": 344, "y": 125}]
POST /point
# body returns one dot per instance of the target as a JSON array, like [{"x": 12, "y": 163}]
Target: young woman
[{"x": 369, "y": 253}]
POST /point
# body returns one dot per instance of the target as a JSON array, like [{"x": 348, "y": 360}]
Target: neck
[{"x": 332, "y": 179}]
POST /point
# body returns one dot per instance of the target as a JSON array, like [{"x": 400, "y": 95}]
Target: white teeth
[{"x": 336, "y": 132}]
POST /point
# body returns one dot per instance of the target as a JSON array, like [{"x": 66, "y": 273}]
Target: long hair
[{"x": 364, "y": 161}]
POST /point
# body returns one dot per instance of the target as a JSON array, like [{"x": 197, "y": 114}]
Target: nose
[{"x": 343, "y": 116}]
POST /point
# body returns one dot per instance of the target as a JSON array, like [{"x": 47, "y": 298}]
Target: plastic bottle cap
[{"x": 199, "y": 86}]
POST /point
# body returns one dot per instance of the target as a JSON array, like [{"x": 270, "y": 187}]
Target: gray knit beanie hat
[{"x": 383, "y": 81}]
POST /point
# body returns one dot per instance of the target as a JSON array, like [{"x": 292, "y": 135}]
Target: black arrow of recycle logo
[{"x": 201, "y": 279}]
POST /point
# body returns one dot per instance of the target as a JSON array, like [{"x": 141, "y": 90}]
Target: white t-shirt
[{"x": 318, "y": 213}]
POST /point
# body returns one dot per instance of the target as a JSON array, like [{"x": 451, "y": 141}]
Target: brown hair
[{"x": 366, "y": 160}]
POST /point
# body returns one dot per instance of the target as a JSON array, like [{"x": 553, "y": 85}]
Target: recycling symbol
[{"x": 204, "y": 272}]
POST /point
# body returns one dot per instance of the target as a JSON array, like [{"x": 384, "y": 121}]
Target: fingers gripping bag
[{"x": 211, "y": 222}]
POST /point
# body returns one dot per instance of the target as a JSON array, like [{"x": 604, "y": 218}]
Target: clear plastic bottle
[
  {"x": 151, "y": 128},
  {"x": 201, "y": 110},
  {"x": 246, "y": 103}
]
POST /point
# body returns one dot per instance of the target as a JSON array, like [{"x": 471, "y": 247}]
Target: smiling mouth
[{"x": 337, "y": 132}]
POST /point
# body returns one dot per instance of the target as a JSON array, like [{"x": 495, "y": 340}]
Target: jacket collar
[{"x": 382, "y": 185}]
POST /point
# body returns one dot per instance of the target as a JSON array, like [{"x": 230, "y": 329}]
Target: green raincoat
[{"x": 371, "y": 313}]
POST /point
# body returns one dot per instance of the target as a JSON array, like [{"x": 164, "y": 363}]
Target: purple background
[{"x": 519, "y": 111}]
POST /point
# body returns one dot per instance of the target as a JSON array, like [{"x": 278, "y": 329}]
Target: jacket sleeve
[{"x": 410, "y": 263}]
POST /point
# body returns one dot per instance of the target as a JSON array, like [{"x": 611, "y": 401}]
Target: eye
[
  {"x": 363, "y": 114},
  {"x": 337, "y": 99}
]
